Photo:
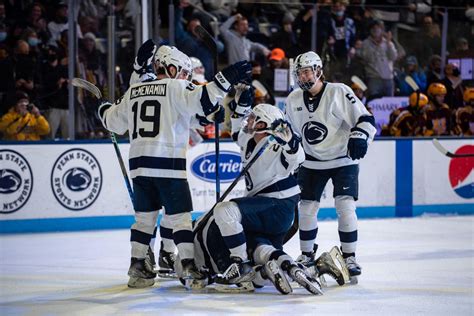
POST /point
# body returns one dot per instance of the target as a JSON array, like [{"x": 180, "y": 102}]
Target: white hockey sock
[
  {"x": 142, "y": 233},
  {"x": 308, "y": 222},
  {"x": 228, "y": 219},
  {"x": 183, "y": 234},
  {"x": 347, "y": 223},
  {"x": 166, "y": 233}
]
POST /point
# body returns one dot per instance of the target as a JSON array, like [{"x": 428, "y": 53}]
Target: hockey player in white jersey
[
  {"x": 270, "y": 263},
  {"x": 147, "y": 55},
  {"x": 336, "y": 130},
  {"x": 157, "y": 116},
  {"x": 271, "y": 189}
]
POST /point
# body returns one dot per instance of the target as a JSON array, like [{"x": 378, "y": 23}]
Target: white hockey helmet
[
  {"x": 162, "y": 51},
  {"x": 177, "y": 60},
  {"x": 196, "y": 63},
  {"x": 304, "y": 63},
  {"x": 198, "y": 71},
  {"x": 262, "y": 113}
]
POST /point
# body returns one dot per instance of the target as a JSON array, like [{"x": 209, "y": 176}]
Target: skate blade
[
  {"x": 353, "y": 280},
  {"x": 244, "y": 287},
  {"x": 336, "y": 256},
  {"x": 311, "y": 287},
  {"x": 280, "y": 282}
]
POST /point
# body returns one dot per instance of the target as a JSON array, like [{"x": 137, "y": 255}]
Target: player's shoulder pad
[{"x": 294, "y": 97}]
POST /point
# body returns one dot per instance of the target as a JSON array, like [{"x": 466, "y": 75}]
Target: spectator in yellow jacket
[{"x": 23, "y": 121}]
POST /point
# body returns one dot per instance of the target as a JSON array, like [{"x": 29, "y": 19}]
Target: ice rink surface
[{"x": 411, "y": 266}]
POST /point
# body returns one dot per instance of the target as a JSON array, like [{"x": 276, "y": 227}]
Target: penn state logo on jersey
[
  {"x": 314, "y": 132},
  {"x": 16, "y": 181},
  {"x": 76, "y": 179}
]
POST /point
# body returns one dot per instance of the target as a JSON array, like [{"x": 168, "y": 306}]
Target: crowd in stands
[{"x": 380, "y": 43}]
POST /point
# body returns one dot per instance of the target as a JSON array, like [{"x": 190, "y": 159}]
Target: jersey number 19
[{"x": 153, "y": 118}]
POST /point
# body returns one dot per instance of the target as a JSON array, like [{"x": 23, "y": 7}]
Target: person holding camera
[{"x": 23, "y": 121}]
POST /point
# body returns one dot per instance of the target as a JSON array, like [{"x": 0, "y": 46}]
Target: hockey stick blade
[
  {"x": 412, "y": 83},
  {"x": 207, "y": 39},
  {"x": 86, "y": 85},
  {"x": 447, "y": 153}
]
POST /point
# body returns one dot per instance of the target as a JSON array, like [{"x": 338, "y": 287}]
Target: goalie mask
[
  {"x": 260, "y": 119},
  {"x": 307, "y": 70}
]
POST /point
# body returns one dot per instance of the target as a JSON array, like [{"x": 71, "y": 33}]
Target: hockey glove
[
  {"x": 144, "y": 60},
  {"x": 101, "y": 111},
  {"x": 357, "y": 146},
  {"x": 244, "y": 99},
  {"x": 218, "y": 116},
  {"x": 284, "y": 136},
  {"x": 203, "y": 121},
  {"x": 233, "y": 74}
]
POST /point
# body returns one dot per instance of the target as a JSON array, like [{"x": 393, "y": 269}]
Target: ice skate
[
  {"x": 354, "y": 269},
  {"x": 326, "y": 265},
  {"x": 307, "y": 257},
  {"x": 190, "y": 271},
  {"x": 166, "y": 264},
  {"x": 140, "y": 276},
  {"x": 299, "y": 275},
  {"x": 150, "y": 261},
  {"x": 272, "y": 272},
  {"x": 238, "y": 272}
]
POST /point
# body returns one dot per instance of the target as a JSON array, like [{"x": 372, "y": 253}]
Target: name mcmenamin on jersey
[{"x": 148, "y": 90}]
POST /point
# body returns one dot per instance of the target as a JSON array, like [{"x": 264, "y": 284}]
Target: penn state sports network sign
[
  {"x": 16, "y": 181},
  {"x": 204, "y": 166}
]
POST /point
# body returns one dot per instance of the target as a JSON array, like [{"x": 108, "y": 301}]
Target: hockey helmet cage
[
  {"x": 308, "y": 60},
  {"x": 262, "y": 113}
]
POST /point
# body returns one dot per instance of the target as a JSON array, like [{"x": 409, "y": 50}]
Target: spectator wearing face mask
[
  {"x": 342, "y": 30},
  {"x": 454, "y": 87},
  {"x": 379, "y": 52},
  {"x": 37, "y": 21}
]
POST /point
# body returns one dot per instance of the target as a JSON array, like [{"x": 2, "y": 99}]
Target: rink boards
[{"x": 79, "y": 186}]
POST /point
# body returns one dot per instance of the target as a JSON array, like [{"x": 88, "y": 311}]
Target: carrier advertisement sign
[
  {"x": 376, "y": 179},
  {"x": 438, "y": 179}
]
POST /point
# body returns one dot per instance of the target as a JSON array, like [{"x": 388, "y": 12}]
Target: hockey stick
[
  {"x": 86, "y": 85},
  {"x": 447, "y": 153},
  {"x": 414, "y": 86},
  {"x": 412, "y": 83},
  {"x": 294, "y": 228},
  {"x": 211, "y": 44},
  {"x": 291, "y": 77},
  {"x": 203, "y": 220}
]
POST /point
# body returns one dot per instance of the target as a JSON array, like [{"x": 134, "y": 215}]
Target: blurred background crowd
[{"x": 381, "y": 43}]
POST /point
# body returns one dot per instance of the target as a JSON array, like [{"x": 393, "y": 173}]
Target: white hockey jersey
[
  {"x": 157, "y": 115},
  {"x": 272, "y": 173},
  {"x": 325, "y": 123}
]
